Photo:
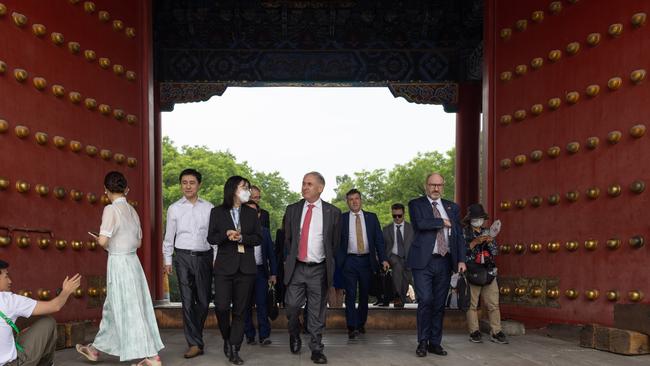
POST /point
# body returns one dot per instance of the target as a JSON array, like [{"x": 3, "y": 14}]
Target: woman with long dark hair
[{"x": 235, "y": 229}]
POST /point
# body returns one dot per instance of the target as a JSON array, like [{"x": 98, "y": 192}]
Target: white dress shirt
[
  {"x": 443, "y": 215},
  {"x": 187, "y": 227},
  {"x": 401, "y": 229},
  {"x": 352, "y": 236},
  {"x": 258, "y": 255},
  {"x": 315, "y": 247}
]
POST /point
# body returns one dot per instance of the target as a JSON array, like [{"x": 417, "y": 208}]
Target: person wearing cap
[
  {"x": 482, "y": 250},
  {"x": 34, "y": 345}
]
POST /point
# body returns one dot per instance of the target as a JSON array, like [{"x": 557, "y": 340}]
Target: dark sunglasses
[{"x": 397, "y": 216}]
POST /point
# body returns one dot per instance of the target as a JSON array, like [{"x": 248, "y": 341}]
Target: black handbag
[
  {"x": 272, "y": 308},
  {"x": 464, "y": 294},
  {"x": 478, "y": 274}
]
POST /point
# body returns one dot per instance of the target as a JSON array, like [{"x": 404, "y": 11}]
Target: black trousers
[
  {"x": 235, "y": 289},
  {"x": 194, "y": 274}
]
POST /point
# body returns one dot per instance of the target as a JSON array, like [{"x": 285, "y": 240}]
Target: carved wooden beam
[
  {"x": 426, "y": 93},
  {"x": 172, "y": 93}
]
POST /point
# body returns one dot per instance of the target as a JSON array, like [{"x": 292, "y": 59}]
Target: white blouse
[{"x": 121, "y": 224}]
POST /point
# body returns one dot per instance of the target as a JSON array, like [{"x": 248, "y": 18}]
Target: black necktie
[{"x": 400, "y": 242}]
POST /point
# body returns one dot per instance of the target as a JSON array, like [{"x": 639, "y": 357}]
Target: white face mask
[
  {"x": 477, "y": 222},
  {"x": 244, "y": 195}
]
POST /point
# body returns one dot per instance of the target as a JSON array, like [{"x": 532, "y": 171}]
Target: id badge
[{"x": 240, "y": 248}]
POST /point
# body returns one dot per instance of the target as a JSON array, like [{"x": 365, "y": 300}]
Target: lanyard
[
  {"x": 11, "y": 324},
  {"x": 235, "y": 218}
]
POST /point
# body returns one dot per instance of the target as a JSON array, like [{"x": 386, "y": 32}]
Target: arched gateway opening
[{"x": 560, "y": 85}]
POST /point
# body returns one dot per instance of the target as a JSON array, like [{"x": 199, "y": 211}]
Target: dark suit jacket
[
  {"x": 268, "y": 254},
  {"x": 331, "y": 237},
  {"x": 389, "y": 237},
  {"x": 265, "y": 219},
  {"x": 228, "y": 261},
  {"x": 375, "y": 240},
  {"x": 425, "y": 228}
]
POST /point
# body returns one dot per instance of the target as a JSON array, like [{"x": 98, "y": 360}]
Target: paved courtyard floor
[{"x": 378, "y": 348}]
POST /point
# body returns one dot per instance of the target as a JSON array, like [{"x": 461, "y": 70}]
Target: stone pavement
[{"x": 378, "y": 348}]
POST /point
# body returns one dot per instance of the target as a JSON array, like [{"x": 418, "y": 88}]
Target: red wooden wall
[
  {"x": 119, "y": 77},
  {"x": 518, "y": 32}
]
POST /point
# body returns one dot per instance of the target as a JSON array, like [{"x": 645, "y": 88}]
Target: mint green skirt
[{"x": 128, "y": 328}]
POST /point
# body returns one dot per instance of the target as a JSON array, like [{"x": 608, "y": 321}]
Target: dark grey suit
[
  {"x": 401, "y": 275},
  {"x": 309, "y": 281}
]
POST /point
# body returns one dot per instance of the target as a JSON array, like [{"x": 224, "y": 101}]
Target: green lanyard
[{"x": 11, "y": 324}]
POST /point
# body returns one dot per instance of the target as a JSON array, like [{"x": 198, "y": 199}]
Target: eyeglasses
[
  {"x": 397, "y": 216},
  {"x": 437, "y": 185}
]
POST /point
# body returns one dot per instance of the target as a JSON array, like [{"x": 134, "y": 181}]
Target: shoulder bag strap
[{"x": 15, "y": 328}]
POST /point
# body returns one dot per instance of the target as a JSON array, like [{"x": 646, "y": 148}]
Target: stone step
[{"x": 171, "y": 316}]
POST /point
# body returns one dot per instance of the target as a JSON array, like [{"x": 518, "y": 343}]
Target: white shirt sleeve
[
  {"x": 109, "y": 220},
  {"x": 170, "y": 233},
  {"x": 22, "y": 307}
]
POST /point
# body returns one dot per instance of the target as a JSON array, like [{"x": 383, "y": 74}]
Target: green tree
[
  {"x": 216, "y": 167},
  {"x": 381, "y": 188},
  {"x": 276, "y": 195}
]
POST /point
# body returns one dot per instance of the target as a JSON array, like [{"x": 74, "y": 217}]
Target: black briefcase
[{"x": 272, "y": 307}]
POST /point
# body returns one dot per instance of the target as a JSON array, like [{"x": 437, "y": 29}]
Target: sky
[{"x": 293, "y": 130}]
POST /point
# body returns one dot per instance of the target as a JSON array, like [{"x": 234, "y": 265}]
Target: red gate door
[
  {"x": 568, "y": 109},
  {"x": 75, "y": 82}
]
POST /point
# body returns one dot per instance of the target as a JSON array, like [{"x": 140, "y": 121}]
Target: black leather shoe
[
  {"x": 352, "y": 334},
  {"x": 421, "y": 351},
  {"x": 362, "y": 329},
  {"x": 295, "y": 343},
  {"x": 226, "y": 348},
  {"x": 436, "y": 349},
  {"x": 234, "y": 355},
  {"x": 318, "y": 357},
  {"x": 265, "y": 341},
  {"x": 251, "y": 341}
]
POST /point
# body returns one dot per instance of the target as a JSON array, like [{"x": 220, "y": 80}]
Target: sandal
[
  {"x": 87, "y": 351},
  {"x": 149, "y": 361}
]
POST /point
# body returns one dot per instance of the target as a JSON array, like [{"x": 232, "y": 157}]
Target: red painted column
[
  {"x": 158, "y": 204},
  {"x": 150, "y": 253},
  {"x": 468, "y": 125}
]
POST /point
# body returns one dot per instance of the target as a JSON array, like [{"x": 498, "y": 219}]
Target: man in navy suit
[
  {"x": 362, "y": 242},
  {"x": 438, "y": 248},
  {"x": 267, "y": 270}
]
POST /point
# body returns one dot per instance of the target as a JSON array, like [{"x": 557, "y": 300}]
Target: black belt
[
  {"x": 193, "y": 253},
  {"x": 311, "y": 264},
  {"x": 436, "y": 255},
  {"x": 359, "y": 255}
]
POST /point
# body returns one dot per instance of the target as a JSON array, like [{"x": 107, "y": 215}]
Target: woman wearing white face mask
[
  {"x": 480, "y": 260},
  {"x": 235, "y": 228}
]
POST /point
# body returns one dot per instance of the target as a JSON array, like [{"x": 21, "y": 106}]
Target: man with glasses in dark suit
[
  {"x": 398, "y": 237},
  {"x": 438, "y": 248}
]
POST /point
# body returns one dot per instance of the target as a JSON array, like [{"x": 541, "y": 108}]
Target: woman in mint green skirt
[{"x": 128, "y": 328}]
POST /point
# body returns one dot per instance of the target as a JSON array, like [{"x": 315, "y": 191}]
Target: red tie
[{"x": 304, "y": 235}]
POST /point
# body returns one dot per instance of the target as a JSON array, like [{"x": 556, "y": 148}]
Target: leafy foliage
[
  {"x": 216, "y": 167},
  {"x": 381, "y": 188}
]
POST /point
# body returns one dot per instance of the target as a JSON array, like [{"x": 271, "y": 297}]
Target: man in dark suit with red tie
[
  {"x": 438, "y": 248},
  {"x": 312, "y": 234}
]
